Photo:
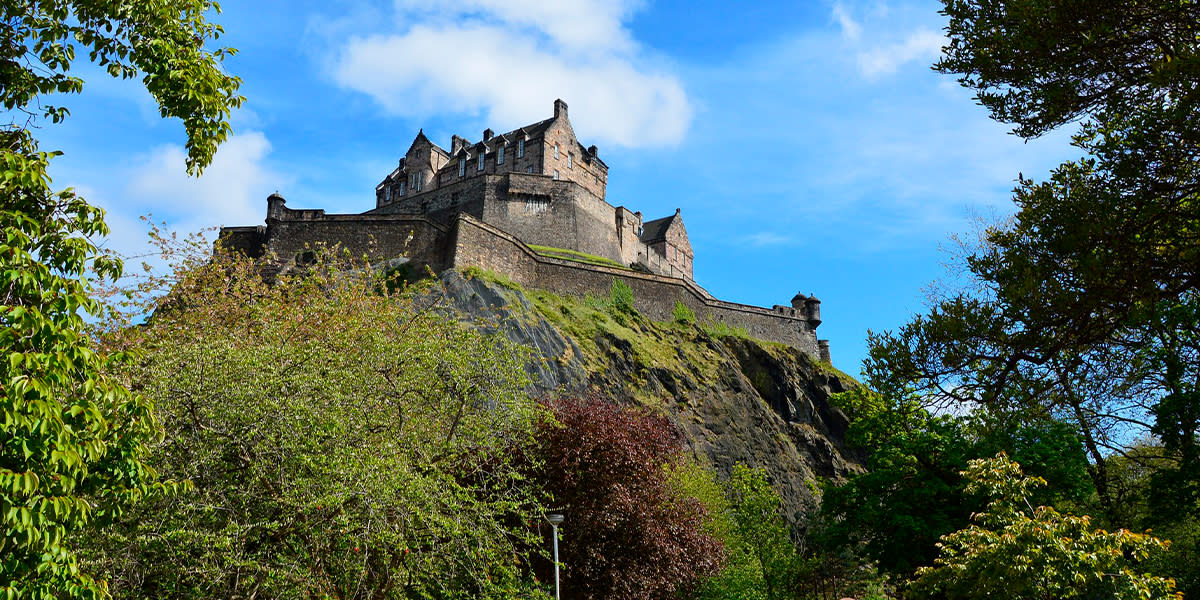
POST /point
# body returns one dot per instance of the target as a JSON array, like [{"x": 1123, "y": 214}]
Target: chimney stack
[
  {"x": 560, "y": 109},
  {"x": 487, "y": 134}
]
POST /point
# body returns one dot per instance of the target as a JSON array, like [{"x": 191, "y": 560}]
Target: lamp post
[{"x": 555, "y": 519}]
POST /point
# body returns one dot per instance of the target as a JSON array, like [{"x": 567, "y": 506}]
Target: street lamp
[{"x": 555, "y": 519}]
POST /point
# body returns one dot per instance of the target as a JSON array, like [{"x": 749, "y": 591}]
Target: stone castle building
[{"x": 523, "y": 203}]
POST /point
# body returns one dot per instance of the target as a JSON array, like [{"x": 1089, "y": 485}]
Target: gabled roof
[
  {"x": 422, "y": 138},
  {"x": 656, "y": 230}
]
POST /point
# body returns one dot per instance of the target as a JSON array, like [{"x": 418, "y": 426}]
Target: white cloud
[
  {"x": 767, "y": 238},
  {"x": 850, "y": 28},
  {"x": 510, "y": 60},
  {"x": 575, "y": 25},
  {"x": 922, "y": 46},
  {"x": 232, "y": 190}
]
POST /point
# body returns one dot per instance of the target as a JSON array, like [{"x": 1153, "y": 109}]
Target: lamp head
[{"x": 554, "y": 518}]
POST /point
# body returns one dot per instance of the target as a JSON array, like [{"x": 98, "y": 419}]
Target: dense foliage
[
  {"x": 1013, "y": 550},
  {"x": 1081, "y": 310},
  {"x": 913, "y": 492},
  {"x": 71, "y": 439},
  {"x": 343, "y": 441},
  {"x": 629, "y": 532}
]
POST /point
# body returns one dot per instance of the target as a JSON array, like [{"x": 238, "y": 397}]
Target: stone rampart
[{"x": 478, "y": 244}]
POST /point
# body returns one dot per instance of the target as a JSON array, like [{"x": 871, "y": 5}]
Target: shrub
[
  {"x": 630, "y": 533},
  {"x": 620, "y": 297},
  {"x": 682, "y": 314}
]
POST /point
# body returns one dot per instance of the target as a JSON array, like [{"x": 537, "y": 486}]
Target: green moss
[
  {"x": 496, "y": 278},
  {"x": 720, "y": 329},
  {"x": 591, "y": 321},
  {"x": 576, "y": 256}
]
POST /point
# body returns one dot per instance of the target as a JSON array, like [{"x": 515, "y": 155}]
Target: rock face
[{"x": 737, "y": 400}]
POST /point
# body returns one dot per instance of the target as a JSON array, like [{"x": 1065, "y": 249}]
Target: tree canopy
[{"x": 72, "y": 438}]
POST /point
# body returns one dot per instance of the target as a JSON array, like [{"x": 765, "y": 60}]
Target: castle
[{"x": 529, "y": 204}]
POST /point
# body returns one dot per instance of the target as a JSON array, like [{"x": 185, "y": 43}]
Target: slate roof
[{"x": 656, "y": 230}]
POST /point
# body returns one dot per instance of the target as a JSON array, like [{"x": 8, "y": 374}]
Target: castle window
[
  {"x": 569, "y": 161},
  {"x": 481, "y": 155},
  {"x": 387, "y": 194},
  {"x": 556, "y": 173},
  {"x": 401, "y": 188},
  {"x": 521, "y": 148},
  {"x": 500, "y": 154},
  {"x": 529, "y": 169},
  {"x": 462, "y": 167},
  {"x": 556, "y": 151}
]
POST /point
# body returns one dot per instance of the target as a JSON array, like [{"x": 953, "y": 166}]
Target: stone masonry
[{"x": 486, "y": 203}]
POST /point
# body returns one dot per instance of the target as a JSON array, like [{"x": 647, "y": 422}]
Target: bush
[
  {"x": 629, "y": 531},
  {"x": 342, "y": 442},
  {"x": 620, "y": 297},
  {"x": 682, "y": 314}
]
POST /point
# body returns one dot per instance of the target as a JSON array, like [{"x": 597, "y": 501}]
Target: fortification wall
[
  {"x": 475, "y": 243},
  {"x": 541, "y": 211},
  {"x": 292, "y": 233}
]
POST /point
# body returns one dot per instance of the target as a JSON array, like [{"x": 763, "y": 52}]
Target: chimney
[
  {"x": 592, "y": 150},
  {"x": 457, "y": 143},
  {"x": 487, "y": 134},
  {"x": 560, "y": 109}
]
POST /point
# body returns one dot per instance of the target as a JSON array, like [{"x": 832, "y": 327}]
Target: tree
[
  {"x": 629, "y": 533},
  {"x": 342, "y": 440},
  {"x": 71, "y": 438},
  {"x": 912, "y": 491},
  {"x": 1016, "y": 551},
  {"x": 1079, "y": 306}
]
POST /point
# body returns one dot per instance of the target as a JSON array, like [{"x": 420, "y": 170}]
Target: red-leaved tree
[{"x": 629, "y": 534}]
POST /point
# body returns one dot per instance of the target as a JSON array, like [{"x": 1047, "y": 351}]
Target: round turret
[
  {"x": 798, "y": 301},
  {"x": 812, "y": 311}
]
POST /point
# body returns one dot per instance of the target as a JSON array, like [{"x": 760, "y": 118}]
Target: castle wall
[
  {"x": 466, "y": 195},
  {"x": 418, "y": 238},
  {"x": 475, "y": 243}
]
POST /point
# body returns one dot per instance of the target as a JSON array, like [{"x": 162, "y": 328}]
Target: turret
[
  {"x": 812, "y": 311},
  {"x": 275, "y": 206}
]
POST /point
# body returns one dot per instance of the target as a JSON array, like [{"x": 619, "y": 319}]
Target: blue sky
[{"x": 809, "y": 144}]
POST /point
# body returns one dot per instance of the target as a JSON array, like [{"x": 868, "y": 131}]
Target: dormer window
[
  {"x": 387, "y": 194},
  {"x": 401, "y": 188},
  {"x": 500, "y": 154},
  {"x": 521, "y": 148},
  {"x": 462, "y": 167},
  {"x": 482, "y": 153}
]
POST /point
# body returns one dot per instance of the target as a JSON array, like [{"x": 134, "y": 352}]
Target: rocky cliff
[{"x": 738, "y": 400}]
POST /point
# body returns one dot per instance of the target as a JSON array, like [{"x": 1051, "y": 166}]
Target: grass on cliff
[
  {"x": 600, "y": 325},
  {"x": 597, "y": 323},
  {"x": 576, "y": 256}
]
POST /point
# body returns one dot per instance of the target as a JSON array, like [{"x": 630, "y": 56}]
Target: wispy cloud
[
  {"x": 850, "y": 28},
  {"x": 921, "y": 46},
  {"x": 767, "y": 238},
  {"x": 506, "y": 59}
]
